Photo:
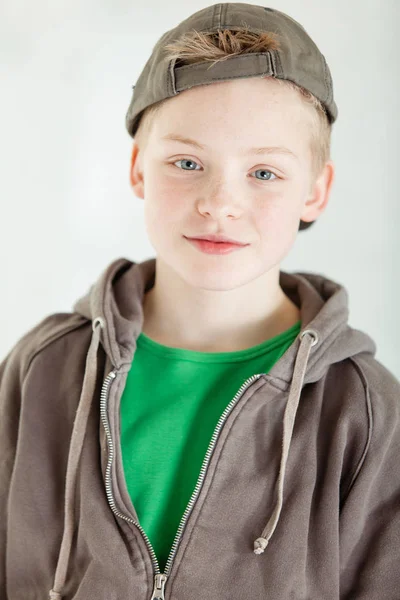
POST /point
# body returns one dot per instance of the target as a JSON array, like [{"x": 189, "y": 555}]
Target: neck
[{"x": 179, "y": 315}]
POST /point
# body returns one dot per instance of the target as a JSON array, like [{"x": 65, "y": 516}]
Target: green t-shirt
[{"x": 169, "y": 409}]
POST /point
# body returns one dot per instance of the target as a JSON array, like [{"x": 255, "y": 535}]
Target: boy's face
[{"x": 223, "y": 189}]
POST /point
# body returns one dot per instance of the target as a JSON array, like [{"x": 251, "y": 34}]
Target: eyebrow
[{"x": 175, "y": 137}]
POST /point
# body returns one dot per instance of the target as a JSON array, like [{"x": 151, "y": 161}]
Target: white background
[{"x": 67, "y": 209}]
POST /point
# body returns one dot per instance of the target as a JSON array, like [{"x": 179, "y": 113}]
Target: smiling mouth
[{"x": 209, "y": 247}]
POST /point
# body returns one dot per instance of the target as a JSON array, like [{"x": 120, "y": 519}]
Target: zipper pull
[{"x": 159, "y": 584}]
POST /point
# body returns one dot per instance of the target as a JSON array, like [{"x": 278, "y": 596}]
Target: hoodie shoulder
[
  {"x": 382, "y": 395},
  {"x": 378, "y": 379},
  {"x": 41, "y": 335},
  {"x": 381, "y": 407}
]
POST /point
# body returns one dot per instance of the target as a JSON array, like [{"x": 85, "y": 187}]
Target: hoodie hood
[{"x": 114, "y": 306}]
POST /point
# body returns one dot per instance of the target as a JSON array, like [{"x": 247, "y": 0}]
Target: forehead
[
  {"x": 247, "y": 98},
  {"x": 256, "y": 92},
  {"x": 243, "y": 113}
]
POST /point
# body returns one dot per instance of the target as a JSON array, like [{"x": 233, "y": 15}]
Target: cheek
[
  {"x": 164, "y": 201},
  {"x": 164, "y": 214},
  {"x": 277, "y": 217},
  {"x": 273, "y": 207},
  {"x": 277, "y": 229}
]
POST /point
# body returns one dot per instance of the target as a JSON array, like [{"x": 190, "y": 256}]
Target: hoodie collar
[
  {"x": 117, "y": 298},
  {"x": 114, "y": 305}
]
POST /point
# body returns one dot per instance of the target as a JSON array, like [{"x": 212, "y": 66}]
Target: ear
[
  {"x": 136, "y": 172},
  {"x": 319, "y": 193}
]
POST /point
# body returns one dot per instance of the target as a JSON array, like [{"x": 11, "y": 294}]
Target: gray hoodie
[{"x": 298, "y": 496}]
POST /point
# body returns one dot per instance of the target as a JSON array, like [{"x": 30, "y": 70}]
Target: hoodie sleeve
[
  {"x": 370, "y": 514},
  {"x": 13, "y": 371},
  {"x": 11, "y": 379}
]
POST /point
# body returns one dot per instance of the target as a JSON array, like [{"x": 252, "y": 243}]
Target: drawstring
[
  {"x": 75, "y": 450},
  {"x": 288, "y": 421},
  {"x": 79, "y": 429}
]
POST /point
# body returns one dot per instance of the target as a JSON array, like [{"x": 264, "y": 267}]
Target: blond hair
[{"x": 217, "y": 46}]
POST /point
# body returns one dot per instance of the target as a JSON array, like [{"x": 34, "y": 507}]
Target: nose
[{"x": 220, "y": 199}]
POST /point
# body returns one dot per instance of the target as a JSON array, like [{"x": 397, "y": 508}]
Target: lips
[
  {"x": 209, "y": 247},
  {"x": 217, "y": 239}
]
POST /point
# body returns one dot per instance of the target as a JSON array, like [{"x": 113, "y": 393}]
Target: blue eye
[
  {"x": 188, "y": 160},
  {"x": 266, "y": 171}
]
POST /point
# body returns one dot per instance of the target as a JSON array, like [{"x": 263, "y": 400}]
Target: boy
[{"x": 204, "y": 425}]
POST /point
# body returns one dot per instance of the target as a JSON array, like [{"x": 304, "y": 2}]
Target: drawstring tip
[
  {"x": 54, "y": 595},
  {"x": 259, "y": 545}
]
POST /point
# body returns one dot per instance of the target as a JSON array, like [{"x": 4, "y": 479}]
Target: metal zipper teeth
[
  {"x": 221, "y": 421},
  {"x": 203, "y": 469},
  {"x": 104, "y": 417}
]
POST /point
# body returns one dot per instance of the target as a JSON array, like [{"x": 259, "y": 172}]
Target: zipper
[
  {"x": 160, "y": 579},
  {"x": 159, "y": 584}
]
